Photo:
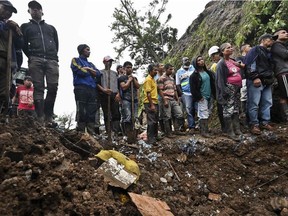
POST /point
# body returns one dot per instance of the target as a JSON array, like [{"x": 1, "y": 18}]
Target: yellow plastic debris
[{"x": 130, "y": 165}]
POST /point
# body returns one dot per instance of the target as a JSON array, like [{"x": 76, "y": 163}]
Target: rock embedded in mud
[{"x": 86, "y": 195}]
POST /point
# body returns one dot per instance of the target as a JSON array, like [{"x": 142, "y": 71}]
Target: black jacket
[
  {"x": 279, "y": 52},
  {"x": 195, "y": 82},
  {"x": 40, "y": 39}
]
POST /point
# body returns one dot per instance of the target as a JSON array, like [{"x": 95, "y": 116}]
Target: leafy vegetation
[{"x": 143, "y": 36}]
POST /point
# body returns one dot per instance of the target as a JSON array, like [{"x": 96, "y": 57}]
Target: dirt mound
[{"x": 46, "y": 172}]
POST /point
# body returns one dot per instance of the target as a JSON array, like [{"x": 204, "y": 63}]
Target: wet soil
[{"x": 47, "y": 172}]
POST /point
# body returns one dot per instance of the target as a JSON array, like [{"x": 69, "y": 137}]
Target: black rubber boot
[
  {"x": 179, "y": 124},
  {"x": 152, "y": 134},
  {"x": 81, "y": 126},
  {"x": 284, "y": 112},
  {"x": 90, "y": 128},
  {"x": 236, "y": 124},
  {"x": 39, "y": 109},
  {"x": 229, "y": 129},
  {"x": 167, "y": 129}
]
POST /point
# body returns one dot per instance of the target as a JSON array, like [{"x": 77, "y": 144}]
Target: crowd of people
[{"x": 176, "y": 102}]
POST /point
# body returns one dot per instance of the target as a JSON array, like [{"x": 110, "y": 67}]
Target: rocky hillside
[{"x": 236, "y": 22}]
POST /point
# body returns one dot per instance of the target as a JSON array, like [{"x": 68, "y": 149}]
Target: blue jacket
[{"x": 82, "y": 76}]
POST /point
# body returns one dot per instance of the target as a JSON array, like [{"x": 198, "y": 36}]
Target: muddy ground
[{"x": 43, "y": 172}]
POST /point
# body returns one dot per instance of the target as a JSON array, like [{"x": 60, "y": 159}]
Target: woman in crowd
[
  {"x": 228, "y": 84},
  {"x": 202, "y": 86}
]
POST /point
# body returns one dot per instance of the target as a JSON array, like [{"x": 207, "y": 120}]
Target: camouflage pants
[{"x": 232, "y": 104}]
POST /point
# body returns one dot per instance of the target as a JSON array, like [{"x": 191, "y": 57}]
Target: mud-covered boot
[
  {"x": 229, "y": 129},
  {"x": 167, "y": 129},
  {"x": 204, "y": 128},
  {"x": 236, "y": 124},
  {"x": 152, "y": 134},
  {"x": 179, "y": 124}
]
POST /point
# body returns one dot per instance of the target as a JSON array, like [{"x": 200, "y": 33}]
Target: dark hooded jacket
[
  {"x": 258, "y": 62},
  {"x": 195, "y": 81},
  {"x": 40, "y": 40}
]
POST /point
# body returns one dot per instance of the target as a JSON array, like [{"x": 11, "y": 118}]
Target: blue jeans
[
  {"x": 127, "y": 111},
  {"x": 259, "y": 103},
  {"x": 190, "y": 108}
]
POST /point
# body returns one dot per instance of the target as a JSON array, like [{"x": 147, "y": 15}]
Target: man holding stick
[
  {"x": 10, "y": 40},
  {"x": 110, "y": 97},
  {"x": 129, "y": 86}
]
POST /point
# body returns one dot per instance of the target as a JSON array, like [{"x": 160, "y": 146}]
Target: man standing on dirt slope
[
  {"x": 41, "y": 47},
  {"x": 108, "y": 90},
  {"x": 151, "y": 104},
  {"x": 183, "y": 87},
  {"x": 169, "y": 105},
  {"x": 129, "y": 83},
  {"x": 279, "y": 52},
  {"x": 6, "y": 10},
  {"x": 84, "y": 79},
  {"x": 259, "y": 84}
]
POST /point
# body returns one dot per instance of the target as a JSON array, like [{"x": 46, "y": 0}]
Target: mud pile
[{"x": 46, "y": 172}]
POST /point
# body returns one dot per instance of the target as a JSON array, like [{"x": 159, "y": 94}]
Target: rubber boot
[
  {"x": 90, "y": 128},
  {"x": 229, "y": 129},
  {"x": 81, "y": 126},
  {"x": 204, "y": 128},
  {"x": 162, "y": 126},
  {"x": 39, "y": 109},
  {"x": 236, "y": 124},
  {"x": 152, "y": 134},
  {"x": 116, "y": 127},
  {"x": 167, "y": 129},
  {"x": 97, "y": 130},
  {"x": 284, "y": 112},
  {"x": 179, "y": 124}
]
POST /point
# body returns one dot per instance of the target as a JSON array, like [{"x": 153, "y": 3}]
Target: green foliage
[
  {"x": 236, "y": 22},
  {"x": 143, "y": 36}
]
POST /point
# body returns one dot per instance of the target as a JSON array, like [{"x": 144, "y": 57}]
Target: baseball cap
[
  {"x": 212, "y": 50},
  {"x": 107, "y": 58},
  {"x": 8, "y": 4},
  {"x": 266, "y": 36},
  {"x": 34, "y": 4}
]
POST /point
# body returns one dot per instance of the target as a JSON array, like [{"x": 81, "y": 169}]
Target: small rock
[
  {"x": 163, "y": 180},
  {"x": 284, "y": 212},
  {"x": 86, "y": 195}
]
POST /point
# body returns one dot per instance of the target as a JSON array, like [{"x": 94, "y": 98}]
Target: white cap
[{"x": 212, "y": 50}]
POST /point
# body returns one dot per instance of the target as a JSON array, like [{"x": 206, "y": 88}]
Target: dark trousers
[
  {"x": 152, "y": 123},
  {"x": 114, "y": 111},
  {"x": 85, "y": 98},
  {"x": 42, "y": 69}
]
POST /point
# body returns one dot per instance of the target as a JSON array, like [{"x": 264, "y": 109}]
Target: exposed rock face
[{"x": 236, "y": 22}]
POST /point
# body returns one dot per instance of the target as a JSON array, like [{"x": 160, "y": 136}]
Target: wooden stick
[
  {"x": 109, "y": 111},
  {"x": 174, "y": 171},
  {"x": 283, "y": 174},
  {"x": 8, "y": 70}
]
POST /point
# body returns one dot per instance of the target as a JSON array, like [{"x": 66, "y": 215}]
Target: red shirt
[
  {"x": 234, "y": 76},
  {"x": 25, "y": 96}
]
